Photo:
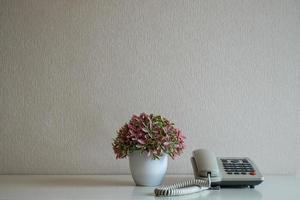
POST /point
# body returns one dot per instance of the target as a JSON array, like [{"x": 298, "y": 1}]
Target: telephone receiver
[
  {"x": 215, "y": 172},
  {"x": 204, "y": 162}
]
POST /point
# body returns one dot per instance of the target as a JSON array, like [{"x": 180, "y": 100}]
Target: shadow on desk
[
  {"x": 224, "y": 193},
  {"x": 91, "y": 181}
]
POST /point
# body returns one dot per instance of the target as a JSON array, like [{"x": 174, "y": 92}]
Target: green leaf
[
  {"x": 150, "y": 123},
  {"x": 145, "y": 130}
]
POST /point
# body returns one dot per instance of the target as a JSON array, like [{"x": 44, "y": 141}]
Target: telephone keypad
[{"x": 238, "y": 166}]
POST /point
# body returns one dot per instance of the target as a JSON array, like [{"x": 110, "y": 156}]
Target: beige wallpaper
[{"x": 72, "y": 72}]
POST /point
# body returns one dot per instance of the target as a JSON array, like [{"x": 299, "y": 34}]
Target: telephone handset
[
  {"x": 211, "y": 171},
  {"x": 204, "y": 162}
]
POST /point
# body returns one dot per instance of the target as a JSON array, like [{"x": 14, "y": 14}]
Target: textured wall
[{"x": 72, "y": 72}]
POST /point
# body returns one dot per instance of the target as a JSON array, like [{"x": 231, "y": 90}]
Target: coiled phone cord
[{"x": 186, "y": 187}]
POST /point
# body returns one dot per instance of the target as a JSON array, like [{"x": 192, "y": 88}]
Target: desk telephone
[{"x": 213, "y": 172}]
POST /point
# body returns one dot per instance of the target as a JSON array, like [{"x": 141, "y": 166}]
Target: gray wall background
[{"x": 227, "y": 73}]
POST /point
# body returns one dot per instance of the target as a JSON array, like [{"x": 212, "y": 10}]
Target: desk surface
[{"x": 122, "y": 187}]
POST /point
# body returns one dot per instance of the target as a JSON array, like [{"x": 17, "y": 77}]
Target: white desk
[{"x": 122, "y": 187}]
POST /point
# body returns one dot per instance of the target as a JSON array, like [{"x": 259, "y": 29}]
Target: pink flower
[
  {"x": 141, "y": 141},
  {"x": 166, "y": 143}
]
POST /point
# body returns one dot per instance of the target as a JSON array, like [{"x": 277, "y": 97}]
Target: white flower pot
[{"x": 147, "y": 171}]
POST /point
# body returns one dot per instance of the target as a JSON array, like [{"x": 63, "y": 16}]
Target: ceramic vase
[{"x": 146, "y": 171}]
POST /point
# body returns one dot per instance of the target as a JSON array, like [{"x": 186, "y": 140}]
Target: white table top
[{"x": 122, "y": 187}]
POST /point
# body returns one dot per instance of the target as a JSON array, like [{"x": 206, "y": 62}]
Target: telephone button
[
  {"x": 229, "y": 167},
  {"x": 253, "y": 173},
  {"x": 236, "y": 173},
  {"x": 246, "y": 165},
  {"x": 244, "y": 173}
]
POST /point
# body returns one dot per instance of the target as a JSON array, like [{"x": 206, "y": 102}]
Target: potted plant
[{"x": 147, "y": 140}]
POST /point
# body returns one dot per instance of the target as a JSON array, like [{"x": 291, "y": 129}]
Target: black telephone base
[{"x": 236, "y": 184}]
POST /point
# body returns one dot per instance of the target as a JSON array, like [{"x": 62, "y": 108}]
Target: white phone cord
[{"x": 186, "y": 187}]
